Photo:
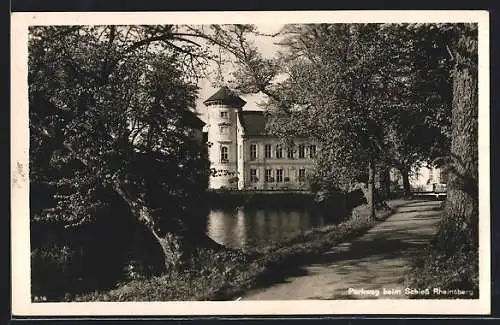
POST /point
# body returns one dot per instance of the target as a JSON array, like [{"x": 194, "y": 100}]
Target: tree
[
  {"x": 445, "y": 87},
  {"x": 108, "y": 110},
  {"x": 337, "y": 87},
  {"x": 453, "y": 259},
  {"x": 417, "y": 128},
  {"x": 462, "y": 204},
  {"x": 381, "y": 89}
]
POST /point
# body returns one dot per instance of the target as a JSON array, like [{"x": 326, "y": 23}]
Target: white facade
[
  {"x": 242, "y": 156},
  {"x": 267, "y": 164},
  {"x": 222, "y": 138},
  {"x": 422, "y": 179}
]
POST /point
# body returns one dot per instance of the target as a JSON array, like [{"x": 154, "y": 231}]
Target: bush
[
  {"x": 458, "y": 271},
  {"x": 91, "y": 256},
  {"x": 53, "y": 272},
  {"x": 204, "y": 276},
  {"x": 450, "y": 262}
]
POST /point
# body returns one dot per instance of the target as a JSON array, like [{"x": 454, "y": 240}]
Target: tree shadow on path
[{"x": 375, "y": 260}]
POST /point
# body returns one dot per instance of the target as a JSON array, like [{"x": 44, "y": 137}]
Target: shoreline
[
  {"x": 225, "y": 198},
  {"x": 228, "y": 275}
]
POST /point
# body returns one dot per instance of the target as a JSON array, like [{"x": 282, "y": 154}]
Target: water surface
[{"x": 250, "y": 226}]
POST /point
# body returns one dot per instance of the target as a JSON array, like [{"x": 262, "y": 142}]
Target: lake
[{"x": 239, "y": 227}]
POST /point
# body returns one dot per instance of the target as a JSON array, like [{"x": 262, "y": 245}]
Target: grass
[{"x": 227, "y": 275}]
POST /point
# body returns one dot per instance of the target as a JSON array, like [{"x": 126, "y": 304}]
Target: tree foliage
[
  {"x": 397, "y": 95},
  {"x": 364, "y": 91},
  {"x": 110, "y": 122}
]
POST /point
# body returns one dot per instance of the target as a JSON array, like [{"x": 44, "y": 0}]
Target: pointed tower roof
[{"x": 227, "y": 97}]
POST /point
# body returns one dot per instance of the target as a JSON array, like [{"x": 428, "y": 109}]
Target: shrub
[
  {"x": 53, "y": 272},
  {"x": 204, "y": 276},
  {"x": 88, "y": 257},
  {"x": 451, "y": 261}
]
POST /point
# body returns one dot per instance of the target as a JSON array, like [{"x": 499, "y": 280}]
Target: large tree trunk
[
  {"x": 405, "y": 174},
  {"x": 461, "y": 216},
  {"x": 371, "y": 188},
  {"x": 385, "y": 183},
  {"x": 176, "y": 240}
]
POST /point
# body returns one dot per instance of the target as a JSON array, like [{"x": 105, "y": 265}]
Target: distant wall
[
  {"x": 338, "y": 204},
  {"x": 253, "y": 198},
  {"x": 289, "y": 166}
]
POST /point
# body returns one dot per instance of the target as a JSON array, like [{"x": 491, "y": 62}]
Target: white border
[{"x": 21, "y": 304}]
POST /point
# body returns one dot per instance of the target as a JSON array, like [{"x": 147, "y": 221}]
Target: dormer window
[{"x": 224, "y": 115}]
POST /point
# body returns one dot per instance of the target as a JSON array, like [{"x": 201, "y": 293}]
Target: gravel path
[{"x": 371, "y": 266}]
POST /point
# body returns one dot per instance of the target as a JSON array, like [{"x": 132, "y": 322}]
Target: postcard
[{"x": 250, "y": 163}]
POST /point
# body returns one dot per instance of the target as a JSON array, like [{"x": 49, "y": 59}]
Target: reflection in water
[{"x": 239, "y": 227}]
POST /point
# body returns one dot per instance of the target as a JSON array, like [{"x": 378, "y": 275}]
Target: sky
[{"x": 267, "y": 48}]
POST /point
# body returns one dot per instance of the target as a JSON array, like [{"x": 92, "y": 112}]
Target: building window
[
  {"x": 253, "y": 175},
  {"x": 224, "y": 129},
  {"x": 312, "y": 151},
  {"x": 224, "y": 115},
  {"x": 290, "y": 153},
  {"x": 302, "y": 175},
  {"x": 253, "y": 151},
  {"x": 267, "y": 151},
  {"x": 224, "y": 156},
  {"x": 268, "y": 176},
  {"x": 302, "y": 151},
  {"x": 241, "y": 151},
  {"x": 279, "y": 175},
  {"x": 279, "y": 152}
]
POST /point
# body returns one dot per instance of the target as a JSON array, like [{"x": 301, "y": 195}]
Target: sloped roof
[
  {"x": 254, "y": 122},
  {"x": 227, "y": 97},
  {"x": 191, "y": 119}
]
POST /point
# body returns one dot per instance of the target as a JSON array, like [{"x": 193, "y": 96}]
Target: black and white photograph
[{"x": 250, "y": 163}]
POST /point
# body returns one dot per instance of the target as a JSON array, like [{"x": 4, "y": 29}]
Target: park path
[{"x": 377, "y": 260}]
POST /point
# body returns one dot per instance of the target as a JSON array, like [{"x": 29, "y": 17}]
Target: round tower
[{"x": 223, "y": 108}]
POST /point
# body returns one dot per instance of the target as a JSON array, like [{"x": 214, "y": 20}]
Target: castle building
[{"x": 244, "y": 156}]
